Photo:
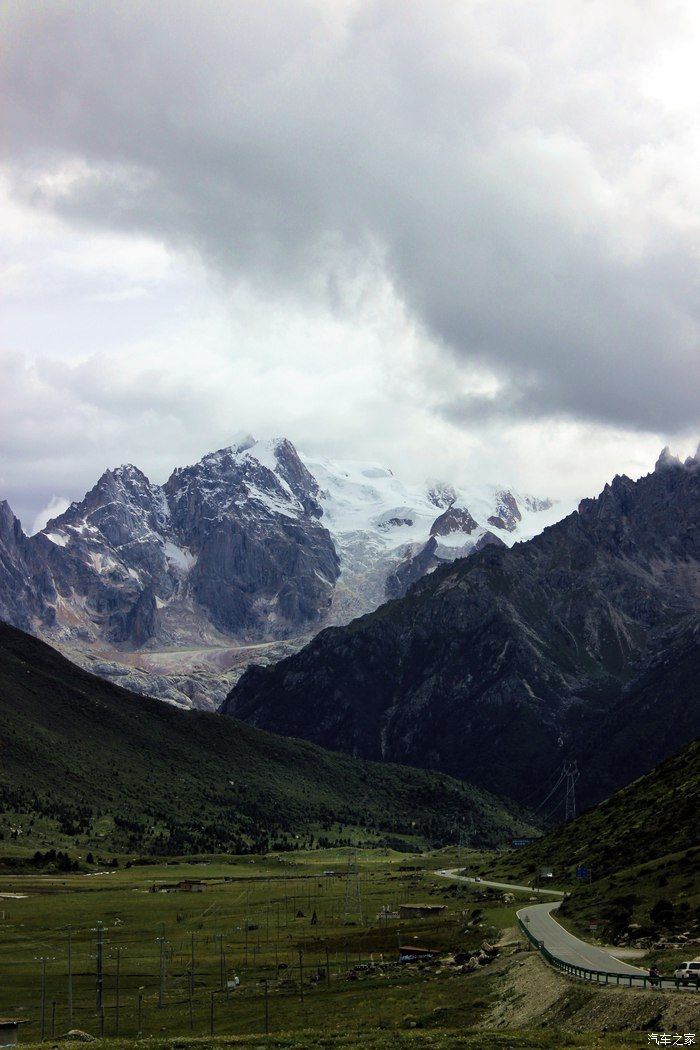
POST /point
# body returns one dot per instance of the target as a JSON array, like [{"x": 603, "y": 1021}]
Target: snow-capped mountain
[
  {"x": 230, "y": 547},
  {"x": 243, "y": 555},
  {"x": 583, "y": 643},
  {"x": 388, "y": 534}
]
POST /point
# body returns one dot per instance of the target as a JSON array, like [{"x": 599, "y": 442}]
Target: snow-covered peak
[
  {"x": 241, "y": 442},
  {"x": 265, "y": 477},
  {"x": 366, "y": 497},
  {"x": 441, "y": 493},
  {"x": 123, "y": 504}
]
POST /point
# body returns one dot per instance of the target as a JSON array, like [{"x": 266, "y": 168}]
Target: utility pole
[
  {"x": 267, "y": 1010},
  {"x": 99, "y": 980},
  {"x": 70, "y": 976},
  {"x": 116, "y": 1010},
  {"x": 43, "y": 997},
  {"x": 139, "y": 1028},
  {"x": 161, "y": 986}
]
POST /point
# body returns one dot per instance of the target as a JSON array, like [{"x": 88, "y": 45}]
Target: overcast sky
[{"x": 460, "y": 238}]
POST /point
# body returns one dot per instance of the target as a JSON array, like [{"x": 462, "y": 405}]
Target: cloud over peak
[{"x": 517, "y": 180}]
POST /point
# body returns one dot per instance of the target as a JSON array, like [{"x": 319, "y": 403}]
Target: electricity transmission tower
[
  {"x": 571, "y": 774},
  {"x": 465, "y": 834},
  {"x": 353, "y": 890}
]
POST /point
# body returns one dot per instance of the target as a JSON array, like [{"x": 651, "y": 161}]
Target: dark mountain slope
[
  {"x": 656, "y": 815},
  {"x": 497, "y": 667},
  {"x": 641, "y": 847},
  {"x": 657, "y": 713},
  {"x": 74, "y": 746}
]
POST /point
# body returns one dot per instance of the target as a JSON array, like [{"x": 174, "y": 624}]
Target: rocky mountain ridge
[
  {"x": 252, "y": 545},
  {"x": 499, "y": 667}
]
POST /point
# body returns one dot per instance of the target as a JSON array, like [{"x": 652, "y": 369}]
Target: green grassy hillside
[
  {"x": 86, "y": 762},
  {"x": 658, "y": 814},
  {"x": 642, "y": 847}
]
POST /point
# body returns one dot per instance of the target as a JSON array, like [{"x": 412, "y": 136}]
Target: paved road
[
  {"x": 544, "y": 927},
  {"x": 451, "y": 873}
]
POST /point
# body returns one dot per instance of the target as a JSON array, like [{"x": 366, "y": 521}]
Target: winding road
[{"x": 544, "y": 927}]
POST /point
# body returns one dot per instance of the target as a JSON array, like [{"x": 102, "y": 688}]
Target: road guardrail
[{"x": 626, "y": 980}]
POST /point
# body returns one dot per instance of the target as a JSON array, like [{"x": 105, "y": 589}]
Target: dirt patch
[
  {"x": 533, "y": 995},
  {"x": 509, "y": 937}
]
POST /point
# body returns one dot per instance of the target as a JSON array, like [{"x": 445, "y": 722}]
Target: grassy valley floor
[{"x": 313, "y": 938}]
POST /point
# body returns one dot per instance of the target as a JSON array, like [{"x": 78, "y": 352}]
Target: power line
[{"x": 557, "y": 785}]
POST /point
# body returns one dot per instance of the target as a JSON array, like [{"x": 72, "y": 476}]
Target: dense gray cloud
[
  {"x": 500, "y": 162},
  {"x": 457, "y": 236}
]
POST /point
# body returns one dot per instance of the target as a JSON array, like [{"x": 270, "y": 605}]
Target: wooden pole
[
  {"x": 70, "y": 977},
  {"x": 161, "y": 981},
  {"x": 43, "y": 999},
  {"x": 116, "y": 1011},
  {"x": 267, "y": 1010},
  {"x": 100, "y": 969}
]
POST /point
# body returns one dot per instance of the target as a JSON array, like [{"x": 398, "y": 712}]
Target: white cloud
[
  {"x": 55, "y": 506},
  {"x": 457, "y": 237}
]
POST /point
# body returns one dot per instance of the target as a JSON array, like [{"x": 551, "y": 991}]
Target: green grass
[
  {"x": 376, "y": 1040},
  {"x": 88, "y": 766},
  {"x": 253, "y": 917},
  {"x": 623, "y": 903},
  {"x": 643, "y": 848},
  {"x": 655, "y": 816}
]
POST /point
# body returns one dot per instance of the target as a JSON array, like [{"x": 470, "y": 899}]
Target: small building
[
  {"x": 421, "y": 911},
  {"x": 191, "y": 885},
  {"x": 9, "y": 1030},
  {"x": 184, "y": 886}
]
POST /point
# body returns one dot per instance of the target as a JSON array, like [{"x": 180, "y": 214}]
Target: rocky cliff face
[
  {"x": 251, "y": 545},
  {"x": 231, "y": 545},
  {"x": 498, "y": 667}
]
